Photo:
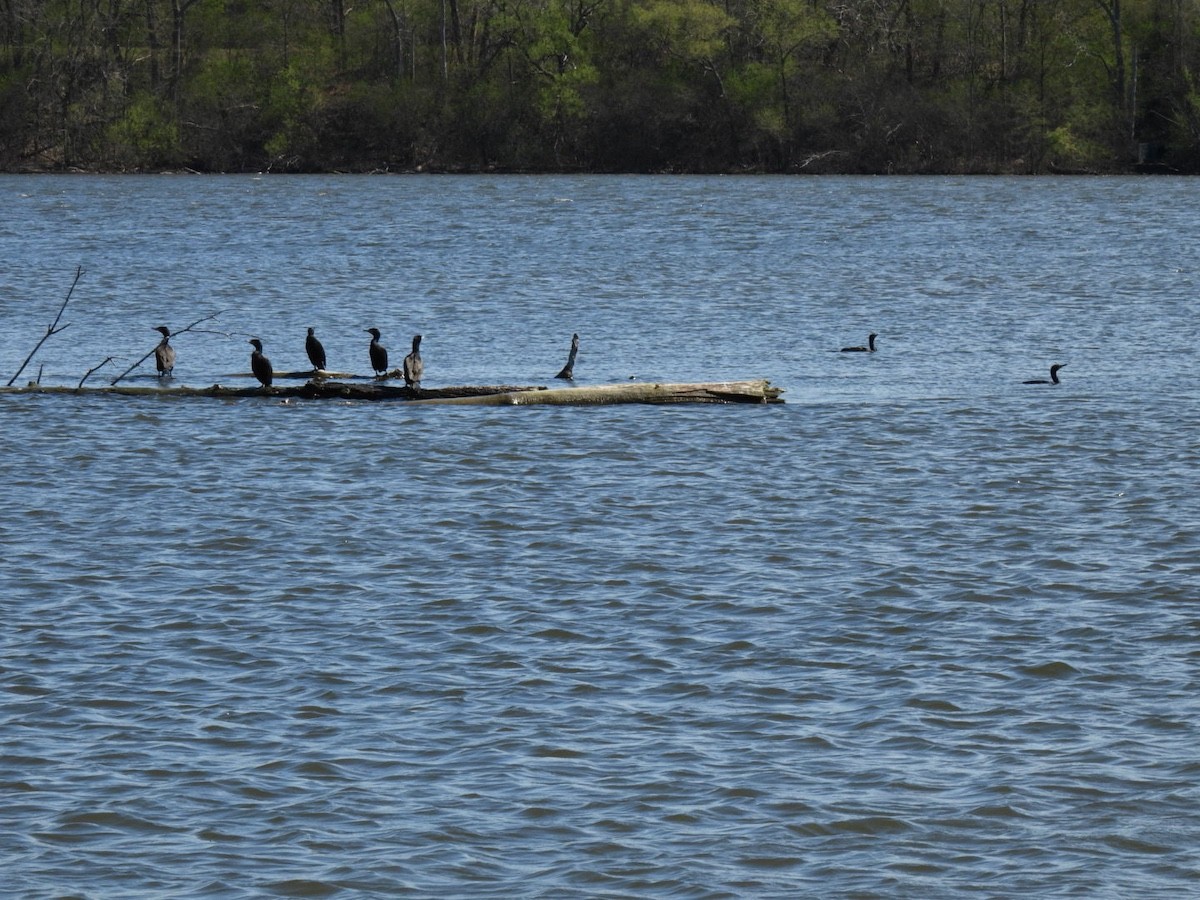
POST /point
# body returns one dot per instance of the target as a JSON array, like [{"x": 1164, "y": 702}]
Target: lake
[{"x": 922, "y": 631}]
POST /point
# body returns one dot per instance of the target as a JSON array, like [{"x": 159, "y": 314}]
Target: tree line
[{"x": 855, "y": 86}]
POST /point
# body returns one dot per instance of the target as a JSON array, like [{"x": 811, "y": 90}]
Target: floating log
[
  {"x": 319, "y": 389},
  {"x": 754, "y": 391},
  {"x": 312, "y": 390}
]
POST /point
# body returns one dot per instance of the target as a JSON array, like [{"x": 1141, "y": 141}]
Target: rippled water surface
[{"x": 923, "y": 631}]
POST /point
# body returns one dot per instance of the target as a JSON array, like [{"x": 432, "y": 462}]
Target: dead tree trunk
[{"x": 759, "y": 391}]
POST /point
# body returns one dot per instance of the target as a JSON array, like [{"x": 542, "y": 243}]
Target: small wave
[
  {"x": 301, "y": 888},
  {"x": 1054, "y": 670},
  {"x": 871, "y": 825},
  {"x": 770, "y": 862}
]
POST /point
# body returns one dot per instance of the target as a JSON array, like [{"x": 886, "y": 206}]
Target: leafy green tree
[
  {"x": 145, "y": 136},
  {"x": 698, "y": 85},
  {"x": 784, "y": 40}
]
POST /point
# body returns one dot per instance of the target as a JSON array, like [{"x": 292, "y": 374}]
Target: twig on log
[
  {"x": 134, "y": 366},
  {"x": 88, "y": 373},
  {"x": 173, "y": 334},
  {"x": 51, "y": 329}
]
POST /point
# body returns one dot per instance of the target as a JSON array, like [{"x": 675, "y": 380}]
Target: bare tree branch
[
  {"x": 51, "y": 329},
  {"x": 207, "y": 318},
  {"x": 149, "y": 354},
  {"x": 88, "y": 373}
]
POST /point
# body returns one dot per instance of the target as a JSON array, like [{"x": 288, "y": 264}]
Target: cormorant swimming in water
[
  {"x": 259, "y": 364},
  {"x": 414, "y": 366},
  {"x": 870, "y": 348},
  {"x": 378, "y": 352},
  {"x": 568, "y": 371},
  {"x": 164, "y": 353},
  {"x": 315, "y": 351},
  {"x": 1053, "y": 376}
]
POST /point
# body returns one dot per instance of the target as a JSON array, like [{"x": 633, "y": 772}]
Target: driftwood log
[
  {"x": 757, "y": 391},
  {"x": 754, "y": 391}
]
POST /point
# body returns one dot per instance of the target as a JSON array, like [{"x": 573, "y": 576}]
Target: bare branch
[
  {"x": 52, "y": 329},
  {"x": 88, "y": 373},
  {"x": 149, "y": 354},
  {"x": 203, "y": 319},
  {"x": 817, "y": 157}
]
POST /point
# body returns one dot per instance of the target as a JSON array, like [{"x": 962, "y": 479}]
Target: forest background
[{"x": 819, "y": 86}]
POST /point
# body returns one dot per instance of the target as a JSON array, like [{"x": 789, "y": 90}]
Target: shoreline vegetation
[{"x": 601, "y": 86}]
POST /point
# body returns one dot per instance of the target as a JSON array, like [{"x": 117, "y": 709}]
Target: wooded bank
[
  {"x": 749, "y": 391},
  {"x": 814, "y": 86}
]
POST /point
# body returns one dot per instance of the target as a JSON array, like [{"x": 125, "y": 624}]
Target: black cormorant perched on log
[
  {"x": 164, "y": 353},
  {"x": 378, "y": 352},
  {"x": 414, "y": 366},
  {"x": 1053, "y": 376},
  {"x": 259, "y": 364},
  {"x": 870, "y": 348},
  {"x": 315, "y": 351},
  {"x": 568, "y": 371}
]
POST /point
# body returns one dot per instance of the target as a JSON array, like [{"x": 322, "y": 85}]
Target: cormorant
[
  {"x": 259, "y": 364},
  {"x": 414, "y": 367},
  {"x": 378, "y": 353},
  {"x": 164, "y": 353},
  {"x": 870, "y": 348},
  {"x": 315, "y": 351},
  {"x": 568, "y": 371},
  {"x": 1053, "y": 376}
]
